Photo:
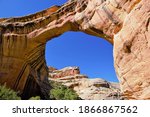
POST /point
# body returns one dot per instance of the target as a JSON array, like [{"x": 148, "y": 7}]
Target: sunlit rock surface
[
  {"x": 124, "y": 23},
  {"x": 86, "y": 88}
]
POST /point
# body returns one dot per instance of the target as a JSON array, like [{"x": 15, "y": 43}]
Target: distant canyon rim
[{"x": 124, "y": 23}]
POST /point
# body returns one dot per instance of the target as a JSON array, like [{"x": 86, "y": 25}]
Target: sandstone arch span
[{"x": 124, "y": 23}]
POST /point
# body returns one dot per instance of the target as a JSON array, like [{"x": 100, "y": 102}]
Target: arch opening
[{"x": 94, "y": 56}]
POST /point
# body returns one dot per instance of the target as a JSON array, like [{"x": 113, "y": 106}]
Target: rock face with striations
[
  {"x": 67, "y": 71},
  {"x": 124, "y": 23},
  {"x": 87, "y": 89}
]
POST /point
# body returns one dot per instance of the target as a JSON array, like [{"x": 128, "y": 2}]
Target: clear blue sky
[{"x": 93, "y": 55}]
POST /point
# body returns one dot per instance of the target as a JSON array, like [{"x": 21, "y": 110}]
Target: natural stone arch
[
  {"x": 91, "y": 54},
  {"x": 23, "y": 39}
]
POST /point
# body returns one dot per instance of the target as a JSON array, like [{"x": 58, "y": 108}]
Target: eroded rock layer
[
  {"x": 122, "y": 22},
  {"x": 86, "y": 88},
  {"x": 132, "y": 52},
  {"x": 67, "y": 71}
]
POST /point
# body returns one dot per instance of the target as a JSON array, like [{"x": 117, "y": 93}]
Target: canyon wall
[
  {"x": 86, "y": 88},
  {"x": 124, "y": 23}
]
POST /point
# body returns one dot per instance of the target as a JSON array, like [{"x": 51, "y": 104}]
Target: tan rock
[
  {"x": 132, "y": 52},
  {"x": 92, "y": 89},
  {"x": 51, "y": 69},
  {"x": 87, "y": 89},
  {"x": 67, "y": 71},
  {"x": 122, "y": 22}
]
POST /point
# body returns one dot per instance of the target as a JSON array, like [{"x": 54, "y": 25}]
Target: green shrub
[
  {"x": 35, "y": 98},
  {"x": 61, "y": 92},
  {"x": 8, "y": 94}
]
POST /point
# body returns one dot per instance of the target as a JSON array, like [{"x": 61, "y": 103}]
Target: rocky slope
[
  {"x": 124, "y": 23},
  {"x": 87, "y": 89}
]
